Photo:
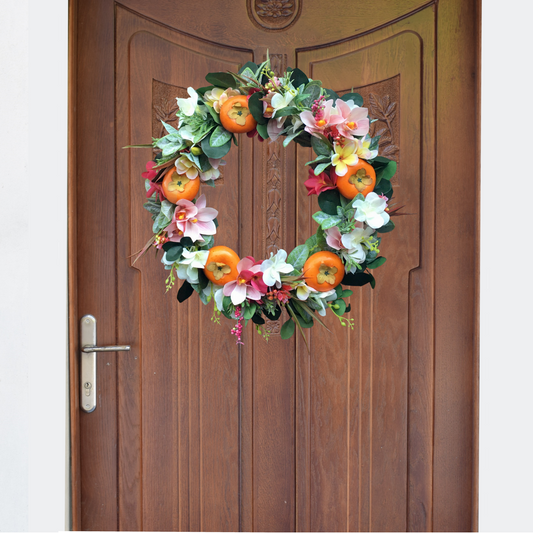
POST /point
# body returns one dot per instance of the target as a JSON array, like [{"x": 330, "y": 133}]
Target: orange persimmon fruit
[
  {"x": 221, "y": 265},
  {"x": 323, "y": 271},
  {"x": 235, "y": 115},
  {"x": 359, "y": 179},
  {"x": 179, "y": 186}
]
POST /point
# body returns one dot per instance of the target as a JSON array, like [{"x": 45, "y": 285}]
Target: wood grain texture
[{"x": 375, "y": 428}]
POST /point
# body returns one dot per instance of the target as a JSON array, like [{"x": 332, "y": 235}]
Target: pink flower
[
  {"x": 317, "y": 123},
  {"x": 322, "y": 182},
  {"x": 249, "y": 283},
  {"x": 192, "y": 220},
  {"x": 275, "y": 127},
  {"x": 355, "y": 120},
  {"x": 149, "y": 174},
  {"x": 333, "y": 238}
]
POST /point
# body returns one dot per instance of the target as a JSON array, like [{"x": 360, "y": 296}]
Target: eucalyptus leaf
[
  {"x": 249, "y": 312},
  {"x": 153, "y": 207},
  {"x": 321, "y": 167},
  {"x": 298, "y": 77},
  {"x": 223, "y": 80},
  {"x": 331, "y": 94},
  {"x": 247, "y": 73},
  {"x": 215, "y": 152},
  {"x": 219, "y": 137},
  {"x": 290, "y": 137},
  {"x": 248, "y": 65},
  {"x": 214, "y": 115},
  {"x": 342, "y": 307},
  {"x": 356, "y": 97},
  {"x": 185, "y": 291},
  {"x": 167, "y": 209},
  {"x": 174, "y": 254},
  {"x": 329, "y": 201},
  {"x": 386, "y": 172},
  {"x": 170, "y": 149},
  {"x": 319, "y": 159},
  {"x": 357, "y": 279},
  {"x": 298, "y": 256},
  {"x": 377, "y": 262},
  {"x": 321, "y": 147},
  {"x": 284, "y": 111},
  {"x": 255, "y": 105},
  {"x": 312, "y": 90},
  {"x": 287, "y": 330},
  {"x": 262, "y": 130}
]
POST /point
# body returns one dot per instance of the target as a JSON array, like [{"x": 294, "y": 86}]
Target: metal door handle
[{"x": 89, "y": 350}]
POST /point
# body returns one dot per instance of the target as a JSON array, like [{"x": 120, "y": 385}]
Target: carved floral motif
[{"x": 274, "y": 14}]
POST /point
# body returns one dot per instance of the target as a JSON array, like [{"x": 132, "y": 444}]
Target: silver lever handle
[{"x": 89, "y": 349}]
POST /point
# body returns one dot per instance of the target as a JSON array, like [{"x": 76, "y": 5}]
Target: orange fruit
[
  {"x": 360, "y": 179},
  {"x": 179, "y": 186},
  {"x": 323, "y": 271},
  {"x": 235, "y": 115},
  {"x": 221, "y": 265}
]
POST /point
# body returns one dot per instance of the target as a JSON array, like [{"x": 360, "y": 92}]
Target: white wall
[
  {"x": 33, "y": 247},
  {"x": 506, "y": 425},
  {"x": 33, "y": 273}
]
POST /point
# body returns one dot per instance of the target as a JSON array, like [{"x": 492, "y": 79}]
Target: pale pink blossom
[
  {"x": 192, "y": 220},
  {"x": 355, "y": 120},
  {"x": 334, "y": 238},
  {"x": 249, "y": 282},
  {"x": 324, "y": 119}
]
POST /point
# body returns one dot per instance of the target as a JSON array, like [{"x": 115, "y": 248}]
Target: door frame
[{"x": 72, "y": 275}]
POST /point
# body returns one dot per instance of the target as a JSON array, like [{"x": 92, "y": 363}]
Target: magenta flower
[
  {"x": 322, "y": 119},
  {"x": 249, "y": 283},
  {"x": 192, "y": 220},
  {"x": 355, "y": 120},
  {"x": 322, "y": 182},
  {"x": 155, "y": 188}
]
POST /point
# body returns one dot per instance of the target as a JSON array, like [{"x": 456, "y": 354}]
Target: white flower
[
  {"x": 185, "y": 166},
  {"x": 303, "y": 291},
  {"x": 190, "y": 262},
  {"x": 354, "y": 241},
  {"x": 371, "y": 210},
  {"x": 211, "y": 174},
  {"x": 280, "y": 101},
  {"x": 320, "y": 299},
  {"x": 274, "y": 266},
  {"x": 188, "y": 105},
  {"x": 219, "y": 298}
]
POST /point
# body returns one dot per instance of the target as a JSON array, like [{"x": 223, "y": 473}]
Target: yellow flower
[
  {"x": 219, "y": 269},
  {"x": 344, "y": 157},
  {"x": 360, "y": 179},
  {"x": 326, "y": 274},
  {"x": 178, "y": 182},
  {"x": 239, "y": 113}
]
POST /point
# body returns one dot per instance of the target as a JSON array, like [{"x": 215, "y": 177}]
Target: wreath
[{"x": 351, "y": 180}]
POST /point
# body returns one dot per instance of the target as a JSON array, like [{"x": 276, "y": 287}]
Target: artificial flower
[
  {"x": 192, "y": 220},
  {"x": 188, "y": 105},
  {"x": 154, "y": 188},
  {"x": 279, "y": 101},
  {"x": 323, "y": 182},
  {"x": 219, "y": 270},
  {"x": 150, "y": 174},
  {"x": 185, "y": 166},
  {"x": 354, "y": 241},
  {"x": 274, "y": 266},
  {"x": 249, "y": 283},
  {"x": 317, "y": 123},
  {"x": 275, "y": 127},
  {"x": 189, "y": 264},
  {"x": 345, "y": 156},
  {"x": 363, "y": 149},
  {"x": 303, "y": 291},
  {"x": 211, "y": 174},
  {"x": 216, "y": 97},
  {"x": 355, "y": 119},
  {"x": 326, "y": 274},
  {"x": 320, "y": 298},
  {"x": 334, "y": 238},
  {"x": 371, "y": 210},
  {"x": 238, "y": 113},
  {"x": 178, "y": 182}
]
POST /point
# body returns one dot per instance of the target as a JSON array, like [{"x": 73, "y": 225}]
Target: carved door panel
[{"x": 374, "y": 429}]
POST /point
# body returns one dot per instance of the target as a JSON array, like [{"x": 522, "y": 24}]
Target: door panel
[{"x": 194, "y": 433}]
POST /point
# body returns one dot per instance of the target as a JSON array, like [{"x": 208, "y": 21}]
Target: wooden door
[{"x": 375, "y": 429}]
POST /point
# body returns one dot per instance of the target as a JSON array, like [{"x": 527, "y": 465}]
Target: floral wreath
[{"x": 351, "y": 180}]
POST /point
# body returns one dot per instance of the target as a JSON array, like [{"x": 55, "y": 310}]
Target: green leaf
[
  {"x": 153, "y": 206},
  {"x": 356, "y": 97},
  {"x": 214, "y": 115},
  {"x": 298, "y": 77},
  {"x": 313, "y": 92},
  {"x": 298, "y": 256},
  {"x": 186, "y": 241},
  {"x": 383, "y": 187},
  {"x": 247, "y": 73},
  {"x": 215, "y": 152},
  {"x": 342, "y": 307},
  {"x": 221, "y": 79},
  {"x": 331, "y": 94},
  {"x": 346, "y": 293},
  {"x": 170, "y": 128},
  {"x": 389, "y": 226},
  {"x": 357, "y": 279},
  {"x": 326, "y": 221},
  {"x": 321, "y": 167},
  {"x": 170, "y": 149},
  {"x": 203, "y": 282},
  {"x": 386, "y": 172},
  {"x": 377, "y": 262},
  {"x": 348, "y": 308},
  {"x": 319, "y": 159},
  {"x": 290, "y": 137},
  {"x": 168, "y": 245},
  {"x": 167, "y": 209},
  {"x": 174, "y": 253},
  {"x": 311, "y": 243},
  {"x": 321, "y": 147},
  {"x": 185, "y": 291},
  {"x": 219, "y": 137},
  {"x": 284, "y": 111},
  {"x": 329, "y": 201},
  {"x": 287, "y": 330},
  {"x": 258, "y": 319},
  {"x": 251, "y": 66},
  {"x": 262, "y": 130},
  {"x": 249, "y": 312},
  {"x": 256, "y": 108}
]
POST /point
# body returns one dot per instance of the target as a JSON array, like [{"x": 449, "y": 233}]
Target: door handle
[{"x": 89, "y": 349}]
